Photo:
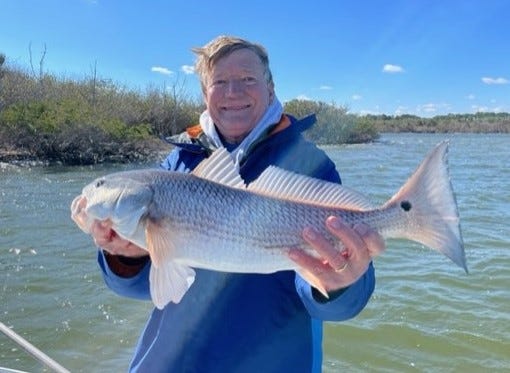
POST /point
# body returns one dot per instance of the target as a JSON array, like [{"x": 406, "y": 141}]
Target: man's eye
[{"x": 249, "y": 79}]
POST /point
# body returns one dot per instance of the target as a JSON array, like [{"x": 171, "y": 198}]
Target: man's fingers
[
  {"x": 349, "y": 237},
  {"x": 332, "y": 256},
  {"x": 373, "y": 240},
  {"x": 303, "y": 259}
]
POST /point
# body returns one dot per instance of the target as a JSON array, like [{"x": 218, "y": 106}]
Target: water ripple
[{"x": 426, "y": 314}]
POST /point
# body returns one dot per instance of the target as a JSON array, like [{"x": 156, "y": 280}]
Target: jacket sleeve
[
  {"x": 137, "y": 287},
  {"x": 347, "y": 305}
]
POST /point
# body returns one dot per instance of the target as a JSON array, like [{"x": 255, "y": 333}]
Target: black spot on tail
[{"x": 406, "y": 205}]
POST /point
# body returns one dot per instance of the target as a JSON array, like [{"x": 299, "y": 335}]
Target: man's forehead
[{"x": 242, "y": 58}]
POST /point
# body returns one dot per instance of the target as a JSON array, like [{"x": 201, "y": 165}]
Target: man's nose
[{"x": 234, "y": 86}]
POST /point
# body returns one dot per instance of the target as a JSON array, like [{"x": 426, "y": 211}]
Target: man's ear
[{"x": 270, "y": 86}]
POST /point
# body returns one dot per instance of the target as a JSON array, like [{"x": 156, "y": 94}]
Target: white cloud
[
  {"x": 392, "y": 69},
  {"x": 431, "y": 108},
  {"x": 369, "y": 112},
  {"x": 471, "y": 96},
  {"x": 478, "y": 108},
  {"x": 188, "y": 69},
  {"x": 499, "y": 80},
  {"x": 161, "y": 70},
  {"x": 401, "y": 110},
  {"x": 356, "y": 97},
  {"x": 303, "y": 97},
  {"x": 325, "y": 88}
]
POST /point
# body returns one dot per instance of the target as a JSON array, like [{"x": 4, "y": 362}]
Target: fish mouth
[{"x": 79, "y": 213}]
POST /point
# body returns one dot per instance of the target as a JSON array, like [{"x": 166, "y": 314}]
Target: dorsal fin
[
  {"x": 220, "y": 168},
  {"x": 279, "y": 183}
]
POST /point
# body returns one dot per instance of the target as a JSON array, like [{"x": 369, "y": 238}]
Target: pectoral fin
[
  {"x": 169, "y": 282},
  {"x": 159, "y": 242},
  {"x": 169, "y": 279}
]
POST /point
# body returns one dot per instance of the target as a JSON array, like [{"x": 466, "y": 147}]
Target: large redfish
[{"x": 210, "y": 219}]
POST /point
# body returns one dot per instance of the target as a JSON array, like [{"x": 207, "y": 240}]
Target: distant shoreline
[
  {"x": 47, "y": 119},
  {"x": 22, "y": 158}
]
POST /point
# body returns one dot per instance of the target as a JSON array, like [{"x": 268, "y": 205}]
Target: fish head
[{"x": 117, "y": 198}]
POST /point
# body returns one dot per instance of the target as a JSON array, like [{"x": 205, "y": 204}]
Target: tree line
[
  {"x": 93, "y": 120},
  {"x": 481, "y": 122}
]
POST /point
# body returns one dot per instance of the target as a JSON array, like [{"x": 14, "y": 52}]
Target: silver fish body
[{"x": 211, "y": 219}]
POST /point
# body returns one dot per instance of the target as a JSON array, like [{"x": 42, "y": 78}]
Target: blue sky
[{"x": 394, "y": 57}]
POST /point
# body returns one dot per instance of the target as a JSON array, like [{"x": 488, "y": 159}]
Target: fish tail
[{"x": 430, "y": 209}]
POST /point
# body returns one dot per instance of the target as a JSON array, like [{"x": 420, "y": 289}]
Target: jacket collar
[{"x": 194, "y": 140}]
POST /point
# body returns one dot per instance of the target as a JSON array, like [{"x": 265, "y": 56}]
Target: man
[{"x": 246, "y": 322}]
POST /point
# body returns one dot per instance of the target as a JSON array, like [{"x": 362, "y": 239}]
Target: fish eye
[
  {"x": 100, "y": 183},
  {"x": 406, "y": 205}
]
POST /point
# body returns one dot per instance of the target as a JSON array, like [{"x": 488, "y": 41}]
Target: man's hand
[
  {"x": 106, "y": 238},
  {"x": 335, "y": 269}
]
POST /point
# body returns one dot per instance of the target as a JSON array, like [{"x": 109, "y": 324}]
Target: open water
[{"x": 426, "y": 314}]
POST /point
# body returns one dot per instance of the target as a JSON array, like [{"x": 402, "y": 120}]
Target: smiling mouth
[{"x": 235, "y": 108}]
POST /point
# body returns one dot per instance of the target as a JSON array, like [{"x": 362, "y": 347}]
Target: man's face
[{"x": 237, "y": 94}]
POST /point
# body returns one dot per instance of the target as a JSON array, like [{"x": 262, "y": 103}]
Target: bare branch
[
  {"x": 94, "y": 83},
  {"x": 30, "y": 57},
  {"x": 41, "y": 62}
]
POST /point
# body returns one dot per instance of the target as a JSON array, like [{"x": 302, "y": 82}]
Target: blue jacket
[{"x": 244, "y": 322}]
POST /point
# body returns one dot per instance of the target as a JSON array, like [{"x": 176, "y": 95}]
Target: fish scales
[
  {"x": 203, "y": 220},
  {"x": 236, "y": 223}
]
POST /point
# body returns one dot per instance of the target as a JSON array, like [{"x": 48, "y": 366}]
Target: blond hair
[{"x": 222, "y": 46}]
